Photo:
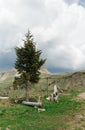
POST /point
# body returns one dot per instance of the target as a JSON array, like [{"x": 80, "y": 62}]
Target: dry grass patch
[
  {"x": 80, "y": 97},
  {"x": 5, "y": 103},
  {"x": 77, "y": 123}
]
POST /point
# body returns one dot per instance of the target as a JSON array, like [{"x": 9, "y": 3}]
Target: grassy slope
[{"x": 58, "y": 116}]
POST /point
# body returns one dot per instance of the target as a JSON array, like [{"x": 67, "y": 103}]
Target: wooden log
[
  {"x": 37, "y": 104},
  {"x": 4, "y": 97}
]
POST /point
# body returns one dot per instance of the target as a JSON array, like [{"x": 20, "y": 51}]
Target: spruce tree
[{"x": 28, "y": 63}]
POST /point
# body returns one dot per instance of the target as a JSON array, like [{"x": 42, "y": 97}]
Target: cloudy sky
[{"x": 58, "y": 27}]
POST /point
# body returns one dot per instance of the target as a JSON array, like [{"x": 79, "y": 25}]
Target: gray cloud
[{"x": 7, "y": 60}]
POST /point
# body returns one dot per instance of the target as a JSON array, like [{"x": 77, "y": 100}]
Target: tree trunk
[{"x": 27, "y": 92}]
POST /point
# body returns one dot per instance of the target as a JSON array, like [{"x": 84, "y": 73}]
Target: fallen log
[
  {"x": 37, "y": 104},
  {"x": 4, "y": 97}
]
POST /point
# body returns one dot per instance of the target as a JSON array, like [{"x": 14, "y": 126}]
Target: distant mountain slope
[
  {"x": 74, "y": 80},
  {"x": 65, "y": 80},
  {"x": 9, "y": 75}
]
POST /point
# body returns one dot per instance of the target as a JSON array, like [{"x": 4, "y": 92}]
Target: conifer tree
[{"x": 28, "y": 63}]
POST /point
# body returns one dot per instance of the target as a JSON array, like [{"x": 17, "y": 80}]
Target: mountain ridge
[{"x": 64, "y": 80}]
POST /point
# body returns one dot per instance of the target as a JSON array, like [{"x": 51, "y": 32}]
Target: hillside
[
  {"x": 74, "y": 80},
  {"x": 7, "y": 78},
  {"x": 67, "y": 81},
  {"x": 66, "y": 114}
]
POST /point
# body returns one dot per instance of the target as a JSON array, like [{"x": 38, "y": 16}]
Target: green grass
[{"x": 56, "y": 116}]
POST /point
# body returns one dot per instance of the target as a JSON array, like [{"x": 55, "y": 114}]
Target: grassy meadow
[{"x": 67, "y": 114}]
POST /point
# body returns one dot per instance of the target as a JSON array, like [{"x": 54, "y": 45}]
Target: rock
[{"x": 41, "y": 110}]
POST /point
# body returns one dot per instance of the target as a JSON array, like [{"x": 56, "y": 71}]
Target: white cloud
[
  {"x": 65, "y": 36},
  {"x": 58, "y": 27}
]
